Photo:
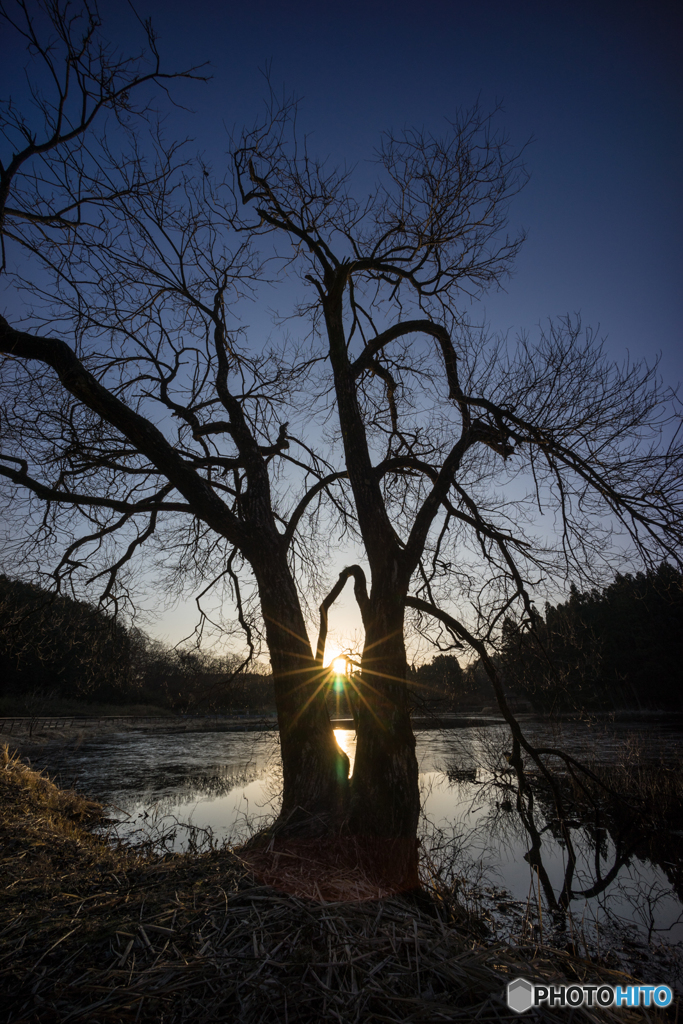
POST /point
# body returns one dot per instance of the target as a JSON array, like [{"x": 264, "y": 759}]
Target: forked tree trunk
[
  {"x": 370, "y": 823},
  {"x": 315, "y": 769},
  {"x": 385, "y": 798}
]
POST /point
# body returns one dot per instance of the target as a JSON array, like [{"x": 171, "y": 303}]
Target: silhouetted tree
[
  {"x": 58, "y": 646},
  {"x": 386, "y": 281},
  {"x": 161, "y": 421},
  {"x": 441, "y": 685},
  {"x": 620, "y": 647}
]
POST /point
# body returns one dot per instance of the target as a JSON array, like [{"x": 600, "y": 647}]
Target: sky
[{"x": 595, "y": 89}]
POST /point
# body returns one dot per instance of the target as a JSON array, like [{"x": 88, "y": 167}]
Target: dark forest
[{"x": 620, "y": 648}]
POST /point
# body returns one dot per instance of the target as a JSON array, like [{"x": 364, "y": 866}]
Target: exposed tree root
[{"x": 332, "y": 868}]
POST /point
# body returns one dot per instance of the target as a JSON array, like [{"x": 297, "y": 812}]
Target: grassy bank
[{"x": 91, "y": 931}]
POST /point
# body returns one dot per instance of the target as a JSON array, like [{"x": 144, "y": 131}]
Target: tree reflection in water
[
  {"x": 242, "y": 798},
  {"x": 192, "y": 791},
  {"x": 597, "y": 868},
  {"x": 176, "y": 792}
]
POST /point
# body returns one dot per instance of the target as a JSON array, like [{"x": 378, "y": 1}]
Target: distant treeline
[
  {"x": 443, "y": 685},
  {"x": 614, "y": 649},
  {"x": 55, "y": 648},
  {"x": 618, "y": 648}
]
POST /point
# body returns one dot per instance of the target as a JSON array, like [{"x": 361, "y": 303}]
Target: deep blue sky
[{"x": 598, "y": 86}]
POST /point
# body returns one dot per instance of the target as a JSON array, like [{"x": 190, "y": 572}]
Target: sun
[
  {"x": 339, "y": 666},
  {"x": 332, "y": 654}
]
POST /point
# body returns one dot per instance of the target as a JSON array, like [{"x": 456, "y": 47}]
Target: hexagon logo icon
[{"x": 520, "y": 995}]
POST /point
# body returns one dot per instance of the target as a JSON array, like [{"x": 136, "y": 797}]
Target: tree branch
[
  {"x": 147, "y": 438},
  {"x": 296, "y": 515},
  {"x": 361, "y": 593}
]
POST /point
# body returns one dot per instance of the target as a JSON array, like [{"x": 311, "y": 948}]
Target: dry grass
[
  {"x": 90, "y": 932},
  {"x": 643, "y": 786}
]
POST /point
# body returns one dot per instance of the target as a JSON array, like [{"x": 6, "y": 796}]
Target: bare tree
[
  {"x": 161, "y": 424},
  {"x": 128, "y": 258},
  {"x": 449, "y": 440},
  {"x": 56, "y": 171}
]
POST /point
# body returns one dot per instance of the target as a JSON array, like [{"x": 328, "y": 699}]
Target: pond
[{"x": 183, "y": 790}]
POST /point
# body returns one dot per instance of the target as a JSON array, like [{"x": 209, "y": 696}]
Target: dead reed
[
  {"x": 651, "y": 784},
  {"x": 94, "y": 932}
]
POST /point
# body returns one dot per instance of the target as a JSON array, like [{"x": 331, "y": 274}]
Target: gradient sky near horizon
[{"x": 596, "y": 86}]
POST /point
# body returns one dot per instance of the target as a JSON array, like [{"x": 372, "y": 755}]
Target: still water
[{"x": 183, "y": 789}]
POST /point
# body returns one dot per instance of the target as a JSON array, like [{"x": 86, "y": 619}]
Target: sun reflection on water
[
  {"x": 218, "y": 786},
  {"x": 346, "y": 739}
]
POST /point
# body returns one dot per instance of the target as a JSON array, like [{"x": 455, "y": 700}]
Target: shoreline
[
  {"x": 60, "y": 730},
  {"x": 94, "y": 931}
]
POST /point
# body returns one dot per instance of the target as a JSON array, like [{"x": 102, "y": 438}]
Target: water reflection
[
  {"x": 589, "y": 878},
  {"x": 346, "y": 739},
  {"x": 222, "y": 784},
  {"x": 479, "y": 831}
]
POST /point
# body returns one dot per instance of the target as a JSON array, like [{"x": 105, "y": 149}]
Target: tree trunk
[
  {"x": 385, "y": 798},
  {"x": 315, "y": 769},
  {"x": 371, "y": 824}
]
